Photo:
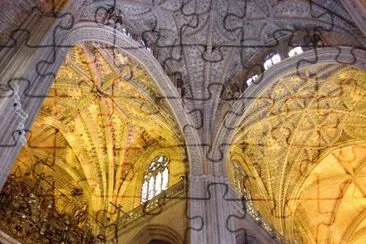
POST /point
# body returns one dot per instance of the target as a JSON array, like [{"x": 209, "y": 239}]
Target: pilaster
[{"x": 209, "y": 210}]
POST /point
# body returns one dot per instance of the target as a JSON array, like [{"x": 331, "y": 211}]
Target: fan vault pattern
[
  {"x": 99, "y": 128},
  {"x": 287, "y": 130},
  {"x": 104, "y": 119}
]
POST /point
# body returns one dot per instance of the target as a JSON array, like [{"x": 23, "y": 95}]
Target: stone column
[
  {"x": 209, "y": 210},
  {"x": 25, "y": 82}
]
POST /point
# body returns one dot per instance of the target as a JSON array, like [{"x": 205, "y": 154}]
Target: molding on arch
[
  {"x": 350, "y": 234},
  {"x": 38, "y": 77},
  {"x": 157, "y": 232},
  {"x": 92, "y": 32},
  {"x": 233, "y": 118}
]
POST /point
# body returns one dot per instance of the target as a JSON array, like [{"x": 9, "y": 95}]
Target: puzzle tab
[{"x": 182, "y": 121}]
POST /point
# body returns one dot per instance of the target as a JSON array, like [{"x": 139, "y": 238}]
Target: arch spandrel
[{"x": 320, "y": 107}]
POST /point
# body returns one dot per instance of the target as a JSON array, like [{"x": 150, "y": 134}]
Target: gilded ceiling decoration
[
  {"x": 28, "y": 212},
  {"x": 99, "y": 128},
  {"x": 282, "y": 145},
  {"x": 335, "y": 191}
]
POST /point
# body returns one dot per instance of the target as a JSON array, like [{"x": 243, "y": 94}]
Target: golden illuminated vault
[
  {"x": 302, "y": 148},
  {"x": 101, "y": 125},
  {"x": 104, "y": 104}
]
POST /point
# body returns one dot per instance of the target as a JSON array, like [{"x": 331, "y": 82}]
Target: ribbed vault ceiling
[
  {"x": 99, "y": 128},
  {"x": 289, "y": 127}
]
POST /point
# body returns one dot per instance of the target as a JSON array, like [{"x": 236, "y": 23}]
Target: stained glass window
[{"x": 156, "y": 178}]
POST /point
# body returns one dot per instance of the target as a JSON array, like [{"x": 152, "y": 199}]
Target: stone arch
[
  {"x": 41, "y": 72},
  {"x": 152, "y": 233},
  {"x": 39, "y": 75},
  {"x": 91, "y": 31},
  {"x": 338, "y": 32},
  {"x": 233, "y": 118},
  {"x": 339, "y": 65}
]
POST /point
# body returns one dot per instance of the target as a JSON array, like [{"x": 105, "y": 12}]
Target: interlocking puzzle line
[{"x": 112, "y": 16}]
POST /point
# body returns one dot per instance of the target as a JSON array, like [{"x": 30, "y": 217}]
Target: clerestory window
[
  {"x": 295, "y": 51},
  {"x": 271, "y": 60},
  {"x": 252, "y": 79},
  {"x": 156, "y": 178}
]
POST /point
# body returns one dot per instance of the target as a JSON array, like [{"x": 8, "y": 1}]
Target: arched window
[
  {"x": 252, "y": 79},
  {"x": 271, "y": 60},
  {"x": 295, "y": 51},
  {"x": 155, "y": 179}
]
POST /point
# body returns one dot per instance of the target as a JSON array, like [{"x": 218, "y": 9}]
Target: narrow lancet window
[
  {"x": 252, "y": 79},
  {"x": 274, "y": 59},
  {"x": 156, "y": 178}
]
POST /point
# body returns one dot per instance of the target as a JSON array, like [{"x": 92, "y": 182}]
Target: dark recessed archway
[{"x": 159, "y": 242}]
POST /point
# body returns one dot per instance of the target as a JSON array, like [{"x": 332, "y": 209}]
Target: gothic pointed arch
[
  {"x": 98, "y": 129},
  {"x": 157, "y": 234},
  {"x": 285, "y": 135}
]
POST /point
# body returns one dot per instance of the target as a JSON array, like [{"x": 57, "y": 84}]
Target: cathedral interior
[{"x": 183, "y": 121}]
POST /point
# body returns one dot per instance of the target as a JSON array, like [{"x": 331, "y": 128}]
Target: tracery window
[
  {"x": 156, "y": 178},
  {"x": 252, "y": 79},
  {"x": 295, "y": 51},
  {"x": 271, "y": 60}
]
